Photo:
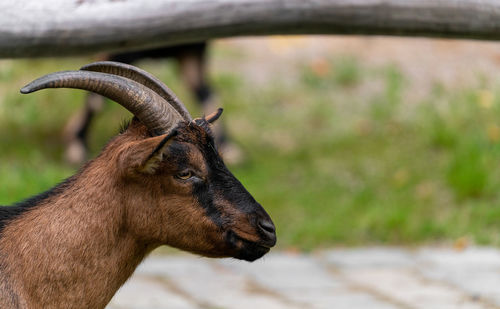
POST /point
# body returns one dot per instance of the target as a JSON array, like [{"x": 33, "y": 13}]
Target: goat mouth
[{"x": 245, "y": 249}]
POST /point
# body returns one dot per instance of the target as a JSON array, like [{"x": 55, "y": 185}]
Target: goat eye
[{"x": 185, "y": 175}]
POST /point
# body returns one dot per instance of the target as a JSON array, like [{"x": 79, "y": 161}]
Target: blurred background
[{"x": 345, "y": 140}]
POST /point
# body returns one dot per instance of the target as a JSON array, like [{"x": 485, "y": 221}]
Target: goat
[
  {"x": 159, "y": 182},
  {"x": 192, "y": 63}
]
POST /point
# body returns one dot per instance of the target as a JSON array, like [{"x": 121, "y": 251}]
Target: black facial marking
[
  {"x": 223, "y": 182},
  {"x": 203, "y": 190},
  {"x": 205, "y": 196},
  {"x": 178, "y": 154},
  {"x": 221, "y": 195},
  {"x": 228, "y": 186},
  {"x": 249, "y": 251},
  {"x": 162, "y": 143}
]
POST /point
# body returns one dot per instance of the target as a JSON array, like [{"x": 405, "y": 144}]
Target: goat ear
[
  {"x": 144, "y": 156},
  {"x": 211, "y": 118},
  {"x": 150, "y": 163}
]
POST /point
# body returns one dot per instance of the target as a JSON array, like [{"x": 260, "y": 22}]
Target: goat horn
[
  {"x": 142, "y": 77},
  {"x": 140, "y": 100}
]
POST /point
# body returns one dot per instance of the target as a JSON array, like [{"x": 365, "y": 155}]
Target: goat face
[
  {"x": 172, "y": 184},
  {"x": 193, "y": 203}
]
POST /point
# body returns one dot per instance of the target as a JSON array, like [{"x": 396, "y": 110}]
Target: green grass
[{"x": 333, "y": 159}]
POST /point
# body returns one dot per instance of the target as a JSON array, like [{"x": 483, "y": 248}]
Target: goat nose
[{"x": 267, "y": 228}]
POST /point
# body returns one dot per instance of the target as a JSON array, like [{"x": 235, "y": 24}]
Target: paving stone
[
  {"x": 340, "y": 299},
  {"x": 301, "y": 279},
  {"x": 211, "y": 284},
  {"x": 281, "y": 271},
  {"x": 474, "y": 258},
  {"x": 406, "y": 288},
  {"x": 476, "y": 271},
  {"x": 144, "y": 293},
  {"x": 388, "y": 270},
  {"x": 371, "y": 256}
]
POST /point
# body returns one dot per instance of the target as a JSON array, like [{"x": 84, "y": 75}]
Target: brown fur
[{"x": 76, "y": 248}]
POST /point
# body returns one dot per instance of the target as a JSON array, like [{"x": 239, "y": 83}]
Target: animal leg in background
[
  {"x": 76, "y": 130},
  {"x": 193, "y": 70}
]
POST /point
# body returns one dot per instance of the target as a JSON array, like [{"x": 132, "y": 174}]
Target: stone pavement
[{"x": 372, "y": 278}]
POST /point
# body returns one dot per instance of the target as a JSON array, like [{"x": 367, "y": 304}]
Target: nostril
[
  {"x": 268, "y": 232},
  {"x": 267, "y": 226}
]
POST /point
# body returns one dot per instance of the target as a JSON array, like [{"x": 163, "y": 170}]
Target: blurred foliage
[{"x": 333, "y": 158}]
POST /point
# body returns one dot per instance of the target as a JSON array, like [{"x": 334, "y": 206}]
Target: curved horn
[
  {"x": 140, "y": 100},
  {"x": 142, "y": 77}
]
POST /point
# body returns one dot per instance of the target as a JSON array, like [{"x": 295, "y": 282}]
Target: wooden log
[{"x": 74, "y": 27}]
